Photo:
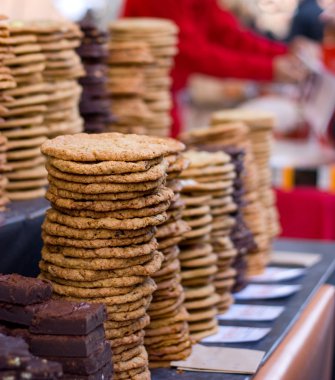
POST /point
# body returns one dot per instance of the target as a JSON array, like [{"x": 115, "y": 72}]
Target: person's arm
[{"x": 224, "y": 28}]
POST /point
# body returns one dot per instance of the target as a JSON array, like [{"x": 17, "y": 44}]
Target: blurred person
[
  {"x": 213, "y": 42},
  {"x": 306, "y": 21}
]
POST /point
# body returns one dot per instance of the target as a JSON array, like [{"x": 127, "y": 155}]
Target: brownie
[
  {"x": 20, "y": 314},
  {"x": 67, "y": 345},
  {"x": 89, "y": 365},
  {"x": 21, "y": 290},
  {"x": 104, "y": 373},
  {"x": 13, "y": 352},
  {"x": 59, "y": 317}
]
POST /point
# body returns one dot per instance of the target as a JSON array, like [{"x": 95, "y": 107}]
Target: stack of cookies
[
  {"x": 126, "y": 85},
  {"x": 107, "y": 194},
  {"x": 94, "y": 104},
  {"x": 236, "y": 134},
  {"x": 6, "y": 82},
  {"x": 57, "y": 41},
  {"x": 24, "y": 121},
  {"x": 261, "y": 126},
  {"x": 3, "y": 169},
  {"x": 167, "y": 337},
  {"x": 259, "y": 211},
  {"x": 241, "y": 237},
  {"x": 198, "y": 262},
  {"x": 216, "y": 173},
  {"x": 66, "y": 332},
  {"x": 161, "y": 37}
]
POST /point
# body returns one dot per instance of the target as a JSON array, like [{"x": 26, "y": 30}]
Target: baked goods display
[
  {"x": 159, "y": 38},
  {"x": 222, "y": 133},
  {"x": 44, "y": 101},
  {"x": 126, "y": 85},
  {"x": 107, "y": 194},
  {"x": 206, "y": 273},
  {"x": 260, "y": 211},
  {"x": 68, "y": 333},
  {"x": 167, "y": 336},
  {"x": 94, "y": 103}
]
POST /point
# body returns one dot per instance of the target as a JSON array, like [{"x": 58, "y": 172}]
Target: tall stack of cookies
[
  {"x": 6, "y": 81},
  {"x": 215, "y": 173},
  {"x": 198, "y": 262},
  {"x": 161, "y": 36},
  {"x": 3, "y": 169},
  {"x": 234, "y": 136},
  {"x": 107, "y": 194},
  {"x": 126, "y": 85},
  {"x": 94, "y": 103},
  {"x": 58, "y": 41},
  {"x": 259, "y": 211},
  {"x": 23, "y": 123},
  {"x": 167, "y": 337}
]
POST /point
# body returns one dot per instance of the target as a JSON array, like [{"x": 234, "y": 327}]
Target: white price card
[
  {"x": 232, "y": 334},
  {"x": 262, "y": 292},
  {"x": 251, "y": 313},
  {"x": 221, "y": 360},
  {"x": 295, "y": 258},
  {"x": 276, "y": 274}
]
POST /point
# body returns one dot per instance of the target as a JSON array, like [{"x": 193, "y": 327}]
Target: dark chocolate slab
[
  {"x": 21, "y": 290},
  {"x": 58, "y": 317},
  {"x": 20, "y": 314},
  {"x": 67, "y": 345},
  {"x": 88, "y": 365}
]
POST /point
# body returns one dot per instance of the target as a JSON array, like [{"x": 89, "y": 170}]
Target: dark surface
[
  {"x": 21, "y": 290},
  {"x": 20, "y": 237},
  {"x": 68, "y": 318},
  {"x": 294, "y": 305},
  {"x": 67, "y": 346}
]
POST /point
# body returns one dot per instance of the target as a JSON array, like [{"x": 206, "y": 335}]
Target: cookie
[
  {"x": 60, "y": 193},
  {"x": 154, "y": 173},
  {"x": 97, "y": 188},
  {"x": 118, "y": 214},
  {"x": 55, "y": 229},
  {"x": 147, "y": 269},
  {"x": 94, "y": 264},
  {"x": 107, "y": 223},
  {"x": 117, "y": 252},
  {"x": 107, "y": 282},
  {"x": 104, "y": 167},
  {"x": 97, "y": 243},
  {"x": 109, "y": 147}
]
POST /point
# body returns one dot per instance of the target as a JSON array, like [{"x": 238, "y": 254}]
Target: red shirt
[{"x": 211, "y": 40}]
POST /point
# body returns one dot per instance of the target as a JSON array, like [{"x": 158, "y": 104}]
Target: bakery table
[
  {"x": 308, "y": 315},
  {"x": 20, "y": 236},
  {"x": 297, "y": 316}
]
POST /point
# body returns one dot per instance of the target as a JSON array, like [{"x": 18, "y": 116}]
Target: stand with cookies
[{"x": 146, "y": 238}]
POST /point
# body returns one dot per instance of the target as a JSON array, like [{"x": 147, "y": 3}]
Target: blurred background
[{"x": 303, "y": 154}]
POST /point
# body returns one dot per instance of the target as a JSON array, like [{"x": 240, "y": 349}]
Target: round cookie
[
  {"x": 107, "y": 223},
  {"x": 152, "y": 174},
  {"x": 109, "y": 147},
  {"x": 162, "y": 194}
]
